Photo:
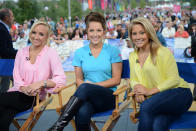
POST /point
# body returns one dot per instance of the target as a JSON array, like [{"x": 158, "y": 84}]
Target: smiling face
[
  {"x": 95, "y": 33},
  {"x": 139, "y": 36},
  {"x": 39, "y": 35}
]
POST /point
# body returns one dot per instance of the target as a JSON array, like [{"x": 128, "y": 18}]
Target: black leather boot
[{"x": 69, "y": 111}]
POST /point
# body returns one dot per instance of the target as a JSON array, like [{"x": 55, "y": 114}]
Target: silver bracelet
[{"x": 45, "y": 83}]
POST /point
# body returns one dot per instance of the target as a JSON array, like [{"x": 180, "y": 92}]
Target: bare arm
[
  {"x": 116, "y": 76},
  {"x": 79, "y": 75}
]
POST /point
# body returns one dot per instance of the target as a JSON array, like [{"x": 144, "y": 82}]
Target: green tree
[
  {"x": 29, "y": 9},
  {"x": 54, "y": 9},
  {"x": 133, "y": 4},
  {"x": 11, "y": 5},
  {"x": 57, "y": 9},
  {"x": 142, "y": 3},
  {"x": 193, "y": 3},
  {"x": 76, "y": 9}
]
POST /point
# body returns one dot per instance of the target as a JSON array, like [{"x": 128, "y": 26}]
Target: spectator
[
  {"x": 118, "y": 30},
  {"x": 6, "y": 47},
  {"x": 76, "y": 34},
  {"x": 123, "y": 34},
  {"x": 181, "y": 33},
  {"x": 58, "y": 40},
  {"x": 111, "y": 34},
  {"x": 159, "y": 35},
  {"x": 168, "y": 31},
  {"x": 13, "y": 35}
]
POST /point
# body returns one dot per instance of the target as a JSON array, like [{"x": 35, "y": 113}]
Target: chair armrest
[
  {"x": 121, "y": 90},
  {"x": 64, "y": 87},
  {"x": 58, "y": 91},
  {"x": 131, "y": 94},
  {"x": 125, "y": 103},
  {"x": 135, "y": 114}
]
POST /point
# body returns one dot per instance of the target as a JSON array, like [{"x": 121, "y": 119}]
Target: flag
[
  {"x": 90, "y": 4},
  {"x": 176, "y": 8},
  {"x": 102, "y": 4},
  {"x": 106, "y": 4}
]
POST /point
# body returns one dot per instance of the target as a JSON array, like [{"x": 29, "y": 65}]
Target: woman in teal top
[
  {"x": 98, "y": 70},
  {"x": 154, "y": 75}
]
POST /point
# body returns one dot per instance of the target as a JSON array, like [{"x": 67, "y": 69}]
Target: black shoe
[{"x": 69, "y": 111}]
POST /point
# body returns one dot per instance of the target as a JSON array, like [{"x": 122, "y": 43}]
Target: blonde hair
[
  {"x": 149, "y": 29},
  {"x": 181, "y": 26},
  {"x": 45, "y": 24}
]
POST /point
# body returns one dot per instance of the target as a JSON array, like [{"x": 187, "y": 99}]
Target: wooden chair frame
[
  {"x": 35, "y": 114},
  {"x": 113, "y": 118},
  {"x": 135, "y": 114}
]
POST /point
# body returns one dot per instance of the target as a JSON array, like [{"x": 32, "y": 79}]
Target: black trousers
[
  {"x": 4, "y": 83},
  {"x": 12, "y": 103}
]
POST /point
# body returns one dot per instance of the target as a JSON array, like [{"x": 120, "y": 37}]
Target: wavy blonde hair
[
  {"x": 45, "y": 24},
  {"x": 149, "y": 29}
]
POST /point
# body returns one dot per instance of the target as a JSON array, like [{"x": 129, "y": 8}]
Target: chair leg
[
  {"x": 31, "y": 121},
  {"x": 93, "y": 125},
  {"x": 16, "y": 124},
  {"x": 73, "y": 124},
  {"x": 110, "y": 123}
]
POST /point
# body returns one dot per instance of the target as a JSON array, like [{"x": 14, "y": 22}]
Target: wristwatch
[{"x": 45, "y": 83}]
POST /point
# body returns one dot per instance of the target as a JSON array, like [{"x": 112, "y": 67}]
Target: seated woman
[
  {"x": 98, "y": 70},
  {"x": 77, "y": 35},
  {"x": 154, "y": 75},
  {"x": 35, "y": 71},
  {"x": 58, "y": 39},
  {"x": 181, "y": 33}
]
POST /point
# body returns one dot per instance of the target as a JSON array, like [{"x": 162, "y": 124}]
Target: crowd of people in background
[{"x": 167, "y": 23}]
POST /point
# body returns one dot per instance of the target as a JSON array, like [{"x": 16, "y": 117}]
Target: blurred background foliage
[{"x": 30, "y": 9}]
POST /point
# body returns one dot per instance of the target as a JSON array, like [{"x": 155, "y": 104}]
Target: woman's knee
[
  {"x": 81, "y": 90},
  {"x": 160, "y": 123},
  {"x": 146, "y": 107},
  {"x": 83, "y": 87},
  {"x": 84, "y": 90}
]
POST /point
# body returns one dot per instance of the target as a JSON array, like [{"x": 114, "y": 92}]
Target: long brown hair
[{"x": 149, "y": 29}]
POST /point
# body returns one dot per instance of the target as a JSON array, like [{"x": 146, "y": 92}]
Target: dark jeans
[
  {"x": 12, "y": 103},
  {"x": 160, "y": 110},
  {"x": 95, "y": 99}
]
